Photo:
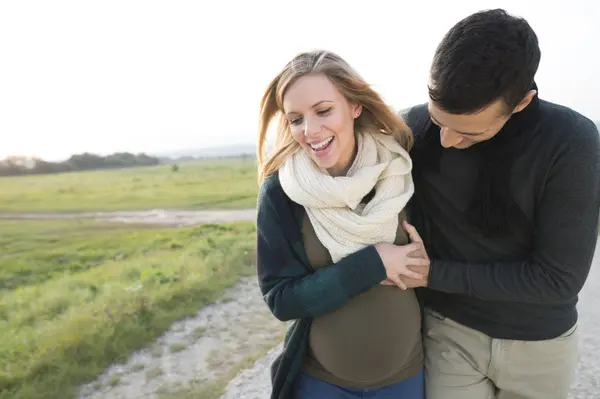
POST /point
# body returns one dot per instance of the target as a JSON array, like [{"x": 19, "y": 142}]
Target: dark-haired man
[{"x": 507, "y": 204}]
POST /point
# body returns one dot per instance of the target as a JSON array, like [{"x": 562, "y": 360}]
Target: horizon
[
  {"x": 157, "y": 82},
  {"x": 175, "y": 153}
]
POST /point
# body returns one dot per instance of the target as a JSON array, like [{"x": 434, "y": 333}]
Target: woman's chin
[
  {"x": 325, "y": 159},
  {"x": 325, "y": 163}
]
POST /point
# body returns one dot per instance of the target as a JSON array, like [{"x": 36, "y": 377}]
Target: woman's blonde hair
[{"x": 376, "y": 115}]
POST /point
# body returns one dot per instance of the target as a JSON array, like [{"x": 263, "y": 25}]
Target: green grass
[
  {"x": 78, "y": 296},
  {"x": 221, "y": 184}
]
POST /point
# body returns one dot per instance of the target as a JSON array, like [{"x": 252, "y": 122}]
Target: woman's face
[{"x": 322, "y": 122}]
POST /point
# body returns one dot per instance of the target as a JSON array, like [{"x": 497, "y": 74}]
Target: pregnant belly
[{"x": 369, "y": 339}]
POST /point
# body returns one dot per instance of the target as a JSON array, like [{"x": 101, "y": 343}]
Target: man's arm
[{"x": 565, "y": 238}]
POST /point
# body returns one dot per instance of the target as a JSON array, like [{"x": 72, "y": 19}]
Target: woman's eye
[{"x": 321, "y": 112}]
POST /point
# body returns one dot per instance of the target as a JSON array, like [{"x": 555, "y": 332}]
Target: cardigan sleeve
[{"x": 290, "y": 289}]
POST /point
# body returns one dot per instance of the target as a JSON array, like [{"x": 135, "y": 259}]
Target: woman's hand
[
  {"x": 396, "y": 260},
  {"x": 419, "y": 265}
]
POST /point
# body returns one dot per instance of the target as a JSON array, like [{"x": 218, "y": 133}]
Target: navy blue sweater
[{"x": 523, "y": 285}]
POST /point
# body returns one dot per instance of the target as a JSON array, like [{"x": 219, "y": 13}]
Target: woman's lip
[
  {"x": 325, "y": 151},
  {"x": 314, "y": 142}
]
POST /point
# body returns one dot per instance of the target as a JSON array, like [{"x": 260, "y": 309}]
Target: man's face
[{"x": 463, "y": 131}]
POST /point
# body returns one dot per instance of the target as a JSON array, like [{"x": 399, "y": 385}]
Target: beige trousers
[{"x": 462, "y": 363}]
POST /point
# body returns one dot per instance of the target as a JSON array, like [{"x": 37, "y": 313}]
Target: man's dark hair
[{"x": 486, "y": 56}]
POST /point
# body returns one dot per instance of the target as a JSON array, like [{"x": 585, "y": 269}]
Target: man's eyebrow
[{"x": 459, "y": 132}]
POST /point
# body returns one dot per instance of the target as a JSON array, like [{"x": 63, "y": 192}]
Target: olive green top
[{"x": 374, "y": 340}]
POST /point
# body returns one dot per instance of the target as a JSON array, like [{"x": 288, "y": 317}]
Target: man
[{"x": 507, "y": 204}]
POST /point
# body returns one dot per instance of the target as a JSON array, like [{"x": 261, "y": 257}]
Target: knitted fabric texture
[{"x": 333, "y": 204}]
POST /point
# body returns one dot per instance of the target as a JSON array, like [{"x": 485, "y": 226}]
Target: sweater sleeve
[
  {"x": 566, "y": 233},
  {"x": 289, "y": 289}
]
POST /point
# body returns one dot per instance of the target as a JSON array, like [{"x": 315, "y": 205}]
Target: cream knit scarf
[{"x": 341, "y": 223}]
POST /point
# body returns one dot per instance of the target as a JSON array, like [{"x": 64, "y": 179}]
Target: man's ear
[{"x": 525, "y": 101}]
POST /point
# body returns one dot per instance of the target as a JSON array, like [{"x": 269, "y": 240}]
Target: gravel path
[
  {"x": 196, "y": 351},
  {"x": 587, "y": 381},
  {"x": 254, "y": 383},
  {"x": 169, "y": 217}
]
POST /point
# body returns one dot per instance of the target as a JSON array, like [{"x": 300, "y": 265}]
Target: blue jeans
[{"x": 308, "y": 387}]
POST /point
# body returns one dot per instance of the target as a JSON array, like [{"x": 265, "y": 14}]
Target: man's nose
[{"x": 449, "y": 138}]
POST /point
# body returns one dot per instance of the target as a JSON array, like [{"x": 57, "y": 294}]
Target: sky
[{"x": 154, "y": 76}]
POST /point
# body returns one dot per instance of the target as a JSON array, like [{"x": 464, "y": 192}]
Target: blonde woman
[{"x": 331, "y": 243}]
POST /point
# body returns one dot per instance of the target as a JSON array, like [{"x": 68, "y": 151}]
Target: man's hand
[
  {"x": 422, "y": 269},
  {"x": 414, "y": 236},
  {"x": 397, "y": 258}
]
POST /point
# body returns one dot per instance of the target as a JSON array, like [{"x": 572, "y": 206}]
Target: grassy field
[
  {"x": 222, "y": 184},
  {"x": 78, "y": 296}
]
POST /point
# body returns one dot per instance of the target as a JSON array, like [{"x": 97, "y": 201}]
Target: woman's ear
[{"x": 357, "y": 109}]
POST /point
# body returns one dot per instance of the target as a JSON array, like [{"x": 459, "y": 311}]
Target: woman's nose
[{"x": 311, "y": 126}]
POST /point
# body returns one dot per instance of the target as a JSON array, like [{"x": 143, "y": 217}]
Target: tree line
[{"x": 16, "y": 166}]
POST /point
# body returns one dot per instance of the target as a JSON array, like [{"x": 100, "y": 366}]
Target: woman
[{"x": 330, "y": 208}]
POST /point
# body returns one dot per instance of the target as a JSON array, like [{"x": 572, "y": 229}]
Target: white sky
[{"x": 105, "y": 76}]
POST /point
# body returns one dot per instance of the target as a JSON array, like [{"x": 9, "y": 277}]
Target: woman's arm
[{"x": 289, "y": 289}]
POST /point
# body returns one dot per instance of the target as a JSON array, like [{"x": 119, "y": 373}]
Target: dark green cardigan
[{"x": 292, "y": 289}]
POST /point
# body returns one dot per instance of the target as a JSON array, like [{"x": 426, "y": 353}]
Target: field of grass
[
  {"x": 78, "y": 296},
  {"x": 220, "y": 184}
]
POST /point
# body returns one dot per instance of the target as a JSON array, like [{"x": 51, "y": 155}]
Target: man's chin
[{"x": 464, "y": 147}]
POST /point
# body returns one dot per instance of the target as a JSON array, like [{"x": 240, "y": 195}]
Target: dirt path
[
  {"x": 254, "y": 382},
  {"x": 196, "y": 353},
  {"x": 169, "y": 217}
]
